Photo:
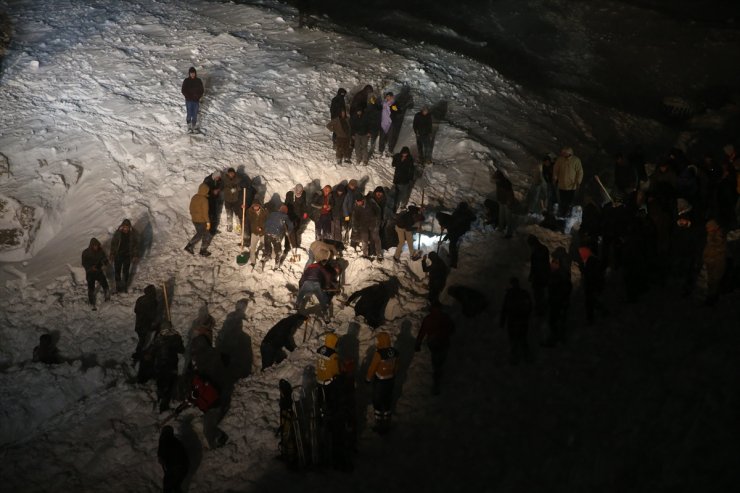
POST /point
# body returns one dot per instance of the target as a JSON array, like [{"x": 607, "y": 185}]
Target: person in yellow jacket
[
  {"x": 382, "y": 374},
  {"x": 327, "y": 366},
  {"x": 199, "y": 216},
  {"x": 567, "y": 175}
]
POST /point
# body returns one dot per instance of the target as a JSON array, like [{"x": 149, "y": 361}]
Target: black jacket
[{"x": 404, "y": 168}]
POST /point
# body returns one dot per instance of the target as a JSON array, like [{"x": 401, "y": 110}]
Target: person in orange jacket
[{"x": 382, "y": 374}]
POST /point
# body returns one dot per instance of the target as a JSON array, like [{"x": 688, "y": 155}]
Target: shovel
[{"x": 241, "y": 259}]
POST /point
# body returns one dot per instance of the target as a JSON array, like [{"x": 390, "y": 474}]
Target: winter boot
[
  {"x": 189, "y": 248},
  {"x": 190, "y": 128},
  {"x": 205, "y": 253}
]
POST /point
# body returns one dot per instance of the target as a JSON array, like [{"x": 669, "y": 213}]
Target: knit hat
[
  {"x": 126, "y": 222},
  {"x": 216, "y": 175}
]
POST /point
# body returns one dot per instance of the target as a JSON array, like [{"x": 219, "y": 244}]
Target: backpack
[{"x": 204, "y": 395}]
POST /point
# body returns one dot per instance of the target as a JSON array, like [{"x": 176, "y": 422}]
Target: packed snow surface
[{"x": 92, "y": 130}]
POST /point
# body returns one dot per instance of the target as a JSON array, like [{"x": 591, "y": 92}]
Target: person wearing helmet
[{"x": 382, "y": 374}]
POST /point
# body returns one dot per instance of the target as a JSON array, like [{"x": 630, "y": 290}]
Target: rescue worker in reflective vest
[{"x": 382, "y": 373}]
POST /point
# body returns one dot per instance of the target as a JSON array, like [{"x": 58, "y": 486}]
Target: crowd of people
[{"x": 644, "y": 229}]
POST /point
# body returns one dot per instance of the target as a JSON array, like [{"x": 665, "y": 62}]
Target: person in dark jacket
[
  {"x": 124, "y": 250},
  {"x": 539, "y": 272},
  {"x": 437, "y": 327},
  {"x": 457, "y": 225},
  {"x": 359, "y": 100},
  {"x": 559, "y": 288},
  {"x": 593, "y": 280},
  {"x": 166, "y": 347},
  {"x": 93, "y": 260},
  {"x": 316, "y": 280},
  {"x": 233, "y": 194},
  {"x": 515, "y": 315},
  {"x": 423, "y": 132},
  {"x": 192, "y": 89},
  {"x": 337, "y": 215},
  {"x": 403, "y": 177},
  {"x": 506, "y": 203},
  {"x": 407, "y": 222},
  {"x": 343, "y": 133},
  {"x": 360, "y": 136},
  {"x": 338, "y": 104},
  {"x": 277, "y": 225},
  {"x": 379, "y": 196},
  {"x": 366, "y": 222},
  {"x": 437, "y": 270},
  {"x": 371, "y": 115},
  {"x": 146, "y": 316},
  {"x": 280, "y": 336},
  {"x": 687, "y": 241},
  {"x": 173, "y": 457},
  {"x": 298, "y": 213},
  {"x": 322, "y": 205},
  {"x": 46, "y": 352},
  {"x": 372, "y": 300},
  {"x": 215, "y": 186}
]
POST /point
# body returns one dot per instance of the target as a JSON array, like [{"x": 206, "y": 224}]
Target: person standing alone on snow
[
  {"x": 93, "y": 260},
  {"x": 192, "y": 89}
]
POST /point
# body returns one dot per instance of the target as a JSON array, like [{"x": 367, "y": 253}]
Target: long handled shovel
[
  {"x": 241, "y": 259},
  {"x": 166, "y": 302}
]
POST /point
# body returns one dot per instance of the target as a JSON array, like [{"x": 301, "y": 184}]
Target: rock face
[{"x": 16, "y": 224}]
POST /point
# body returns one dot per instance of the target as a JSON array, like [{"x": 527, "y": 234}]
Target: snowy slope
[{"x": 93, "y": 129}]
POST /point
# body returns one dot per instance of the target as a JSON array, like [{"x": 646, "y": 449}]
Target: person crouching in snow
[
  {"x": 382, "y": 373},
  {"x": 93, "y": 260},
  {"x": 316, "y": 280}
]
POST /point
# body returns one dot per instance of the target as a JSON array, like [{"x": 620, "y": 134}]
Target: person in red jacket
[
  {"x": 382, "y": 374},
  {"x": 437, "y": 327}
]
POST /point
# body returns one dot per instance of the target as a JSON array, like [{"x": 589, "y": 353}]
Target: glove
[
  {"x": 305, "y": 215},
  {"x": 346, "y": 219}
]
